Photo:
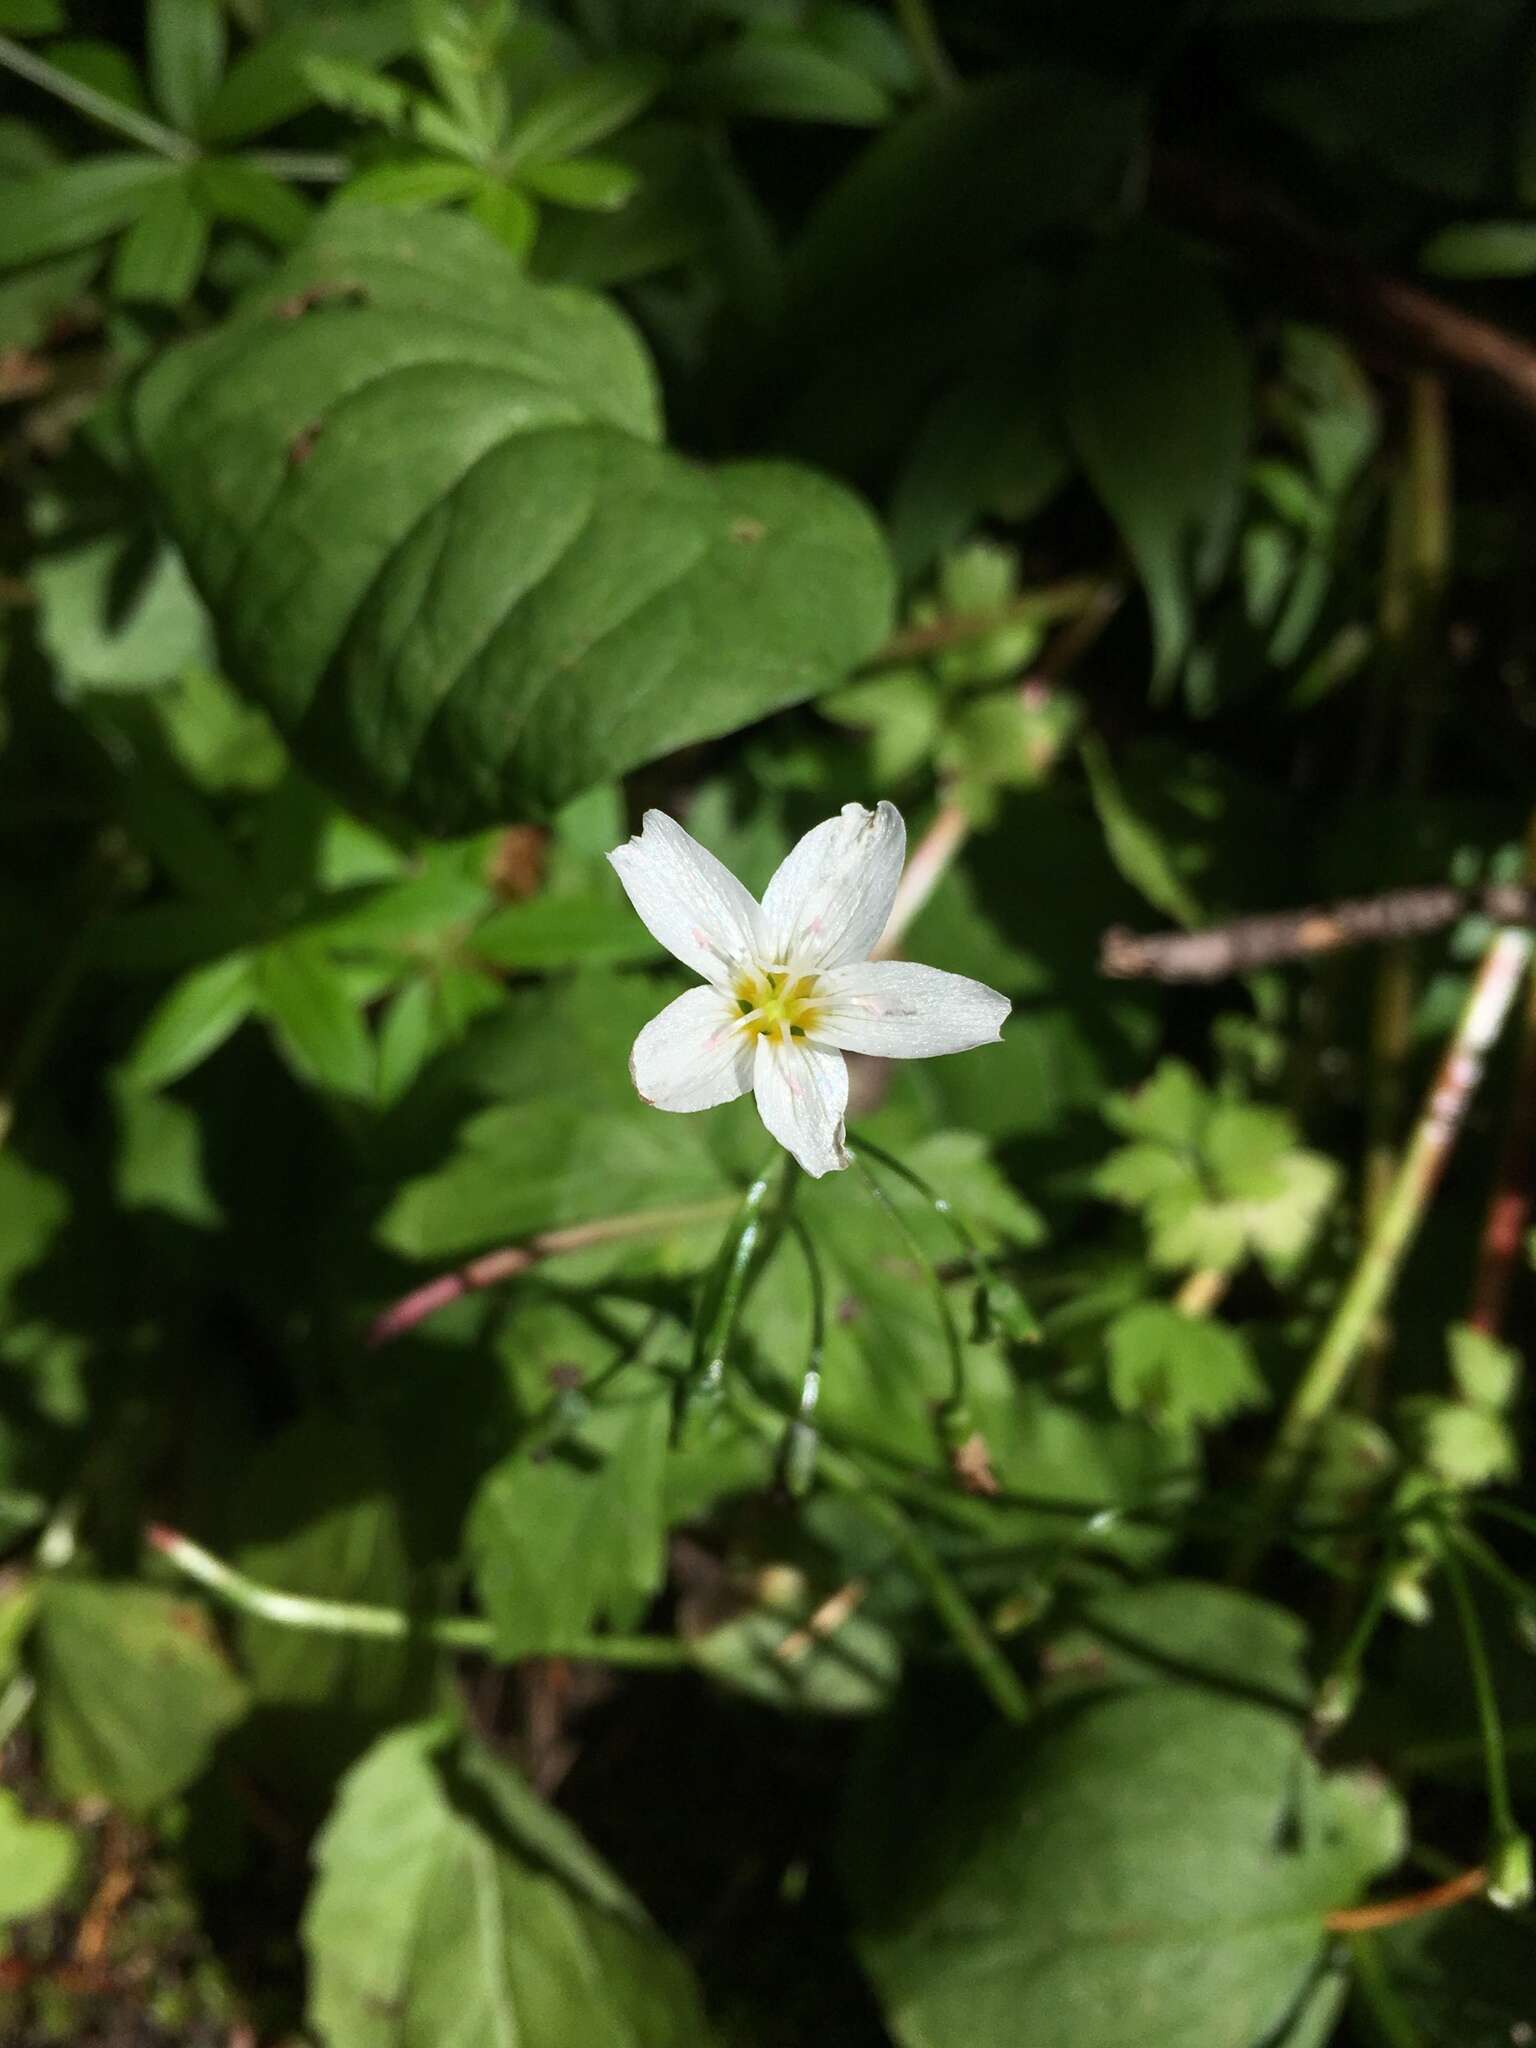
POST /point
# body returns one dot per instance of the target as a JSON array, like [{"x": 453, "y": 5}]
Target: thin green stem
[
  {"x": 724, "y": 1294},
  {"x": 1387, "y": 2009},
  {"x": 387, "y": 1624},
  {"x": 96, "y": 106},
  {"x": 929, "y": 52},
  {"x": 966, "y": 1628},
  {"x": 300, "y": 166},
  {"x": 1495, "y": 1763},
  {"x": 956, "y": 1413},
  {"x": 1337, "y": 1692},
  {"x": 1501, "y": 1511},
  {"x": 1484, "y": 1558},
  {"x": 799, "y": 1457},
  {"x": 1396, "y": 1226}
]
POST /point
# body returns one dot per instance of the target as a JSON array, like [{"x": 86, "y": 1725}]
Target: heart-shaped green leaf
[{"x": 424, "y": 501}]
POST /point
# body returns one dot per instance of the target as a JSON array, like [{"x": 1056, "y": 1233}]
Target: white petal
[
  {"x": 903, "y": 1012},
  {"x": 691, "y": 1056},
  {"x": 829, "y": 901},
  {"x": 802, "y": 1092},
  {"x": 688, "y": 900}
]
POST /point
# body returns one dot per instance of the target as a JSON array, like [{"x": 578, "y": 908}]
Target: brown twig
[
  {"x": 491, "y": 1268},
  {"x": 1468, "y": 1884},
  {"x": 1277, "y": 936},
  {"x": 1410, "y": 323},
  {"x": 1070, "y": 599}
]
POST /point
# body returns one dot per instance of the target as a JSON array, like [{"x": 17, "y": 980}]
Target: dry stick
[
  {"x": 1381, "y": 1257},
  {"x": 491, "y": 1268},
  {"x": 1468, "y": 1884},
  {"x": 1410, "y": 323},
  {"x": 1509, "y": 1207},
  {"x": 1275, "y": 937}
]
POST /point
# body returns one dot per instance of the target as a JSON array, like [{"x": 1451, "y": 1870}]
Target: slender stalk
[
  {"x": 1042, "y": 607},
  {"x": 386, "y": 1624},
  {"x": 799, "y": 1456},
  {"x": 1484, "y": 1558},
  {"x": 1505, "y": 1830},
  {"x": 724, "y": 1294},
  {"x": 491, "y": 1268},
  {"x": 96, "y": 106},
  {"x": 1382, "y": 1255},
  {"x": 1467, "y": 1884},
  {"x": 1393, "y": 2019},
  {"x": 965, "y": 1625},
  {"x": 1339, "y": 1688},
  {"x": 1509, "y": 1206},
  {"x": 955, "y": 1416},
  {"x": 15, "y": 1704},
  {"x": 928, "y": 863},
  {"x": 300, "y": 166},
  {"x": 932, "y": 57}
]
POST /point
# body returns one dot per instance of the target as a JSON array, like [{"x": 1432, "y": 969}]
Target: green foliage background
[{"x": 430, "y": 432}]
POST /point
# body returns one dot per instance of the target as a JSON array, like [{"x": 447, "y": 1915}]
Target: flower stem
[
  {"x": 724, "y": 1293},
  {"x": 1505, "y": 1830},
  {"x": 96, "y": 106},
  {"x": 955, "y": 1419},
  {"x": 386, "y": 1624},
  {"x": 1396, "y": 1225},
  {"x": 1466, "y": 1884},
  {"x": 800, "y": 1439}
]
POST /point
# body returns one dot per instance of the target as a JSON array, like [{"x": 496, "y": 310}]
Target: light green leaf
[
  {"x": 1465, "y": 1446},
  {"x": 318, "y": 1023},
  {"x": 191, "y": 1021},
  {"x": 413, "y": 182},
  {"x": 507, "y": 213},
  {"x": 564, "y": 931},
  {"x": 132, "y": 1693},
  {"x": 186, "y": 43},
  {"x": 38, "y": 1860},
  {"x": 266, "y": 84},
  {"x": 573, "y": 1534},
  {"x": 54, "y": 211},
  {"x": 1158, "y": 406},
  {"x": 1180, "y": 1369},
  {"x": 161, "y": 257},
  {"x": 451, "y": 1903},
  {"x": 1161, "y": 1852},
  {"x": 1486, "y": 1372},
  {"x": 581, "y": 111},
  {"x": 592, "y": 184},
  {"x": 117, "y": 614},
  {"x": 521, "y": 595}
]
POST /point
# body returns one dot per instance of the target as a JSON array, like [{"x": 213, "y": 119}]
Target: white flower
[{"x": 790, "y": 986}]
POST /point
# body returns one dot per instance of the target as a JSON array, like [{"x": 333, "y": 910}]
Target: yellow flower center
[{"x": 776, "y": 1003}]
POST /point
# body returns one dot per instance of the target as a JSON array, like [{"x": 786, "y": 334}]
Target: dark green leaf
[
  {"x": 593, "y": 184},
  {"x": 240, "y": 192},
  {"x": 192, "y": 1020},
  {"x": 428, "y": 670},
  {"x": 132, "y": 1694},
  {"x": 1163, "y": 1853},
  {"x": 782, "y": 78},
  {"x": 186, "y": 44},
  {"x": 55, "y": 211},
  {"x": 413, "y": 182},
  {"x": 1158, "y": 404},
  {"x": 581, "y": 111},
  {"x": 266, "y": 84},
  {"x": 1184, "y": 1630},
  {"x": 1487, "y": 248},
  {"x": 450, "y": 1900}
]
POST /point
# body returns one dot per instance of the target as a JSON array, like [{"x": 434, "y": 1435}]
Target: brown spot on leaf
[{"x": 748, "y": 531}]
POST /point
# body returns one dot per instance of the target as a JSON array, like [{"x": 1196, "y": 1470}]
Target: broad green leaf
[
  {"x": 314, "y": 1515},
  {"x": 186, "y": 42},
  {"x": 132, "y": 1693},
  {"x": 594, "y": 184},
  {"x": 33, "y": 1208},
  {"x": 32, "y": 17},
  {"x": 452, "y": 1904},
  {"x": 564, "y": 931},
  {"x": 1163, "y": 1853},
  {"x": 520, "y": 595},
  {"x": 1158, "y": 406},
  {"x": 318, "y": 1023},
  {"x": 571, "y": 1534},
  {"x": 191, "y": 1021},
  {"x": 783, "y": 78},
  {"x": 1180, "y": 1369},
  {"x": 38, "y": 1860},
  {"x": 1184, "y": 1630},
  {"x": 242, "y": 192},
  {"x": 790, "y": 1652},
  {"x": 580, "y": 111},
  {"x": 161, "y": 257},
  {"x": 54, "y": 211}
]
